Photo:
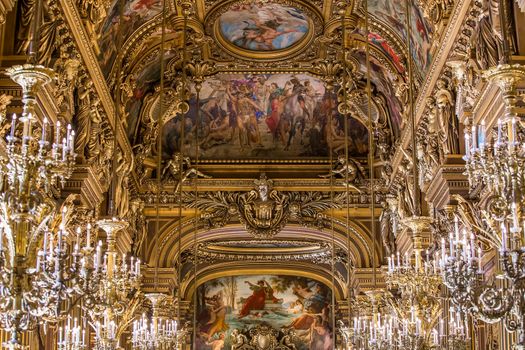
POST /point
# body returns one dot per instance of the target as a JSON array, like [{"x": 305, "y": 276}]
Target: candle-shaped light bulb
[
  {"x": 98, "y": 255},
  {"x": 13, "y": 127},
  {"x": 88, "y": 236},
  {"x": 503, "y": 238},
  {"x": 60, "y": 233},
  {"x": 57, "y": 132},
  {"x": 482, "y": 135},
  {"x": 64, "y": 149},
  {"x": 72, "y": 142}
]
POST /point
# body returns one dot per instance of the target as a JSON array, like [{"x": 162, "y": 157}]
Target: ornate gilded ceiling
[
  {"x": 268, "y": 82},
  {"x": 264, "y": 51}
]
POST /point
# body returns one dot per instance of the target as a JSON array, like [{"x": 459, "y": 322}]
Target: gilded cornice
[
  {"x": 445, "y": 49},
  {"x": 281, "y": 184},
  {"x": 78, "y": 33},
  {"x": 365, "y": 278},
  {"x": 169, "y": 246},
  {"x": 315, "y": 272}
]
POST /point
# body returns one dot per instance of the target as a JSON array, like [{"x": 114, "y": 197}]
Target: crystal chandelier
[
  {"x": 409, "y": 315},
  {"x": 499, "y": 164},
  {"x": 379, "y": 325},
  {"x": 56, "y": 271},
  {"x": 32, "y": 165},
  {"x": 368, "y": 329},
  {"x": 414, "y": 286},
  {"x": 157, "y": 334},
  {"x": 111, "y": 287},
  {"x": 71, "y": 336}
]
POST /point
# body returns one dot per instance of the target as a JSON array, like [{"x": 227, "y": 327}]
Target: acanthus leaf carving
[{"x": 264, "y": 211}]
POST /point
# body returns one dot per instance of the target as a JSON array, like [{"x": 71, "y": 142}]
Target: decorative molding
[
  {"x": 446, "y": 46},
  {"x": 5, "y": 7},
  {"x": 78, "y": 32}
]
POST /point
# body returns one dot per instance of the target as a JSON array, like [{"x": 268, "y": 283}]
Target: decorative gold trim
[
  {"x": 83, "y": 43},
  {"x": 304, "y": 246},
  {"x": 250, "y": 269}
]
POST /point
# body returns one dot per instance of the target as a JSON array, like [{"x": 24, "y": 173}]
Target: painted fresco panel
[
  {"x": 134, "y": 14},
  {"x": 393, "y": 13},
  {"x": 279, "y": 116},
  {"x": 240, "y": 303},
  {"x": 145, "y": 84},
  {"x": 260, "y": 26},
  {"x": 387, "y": 50},
  {"x": 384, "y": 82}
]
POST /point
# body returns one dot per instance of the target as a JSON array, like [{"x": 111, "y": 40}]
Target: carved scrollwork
[
  {"x": 318, "y": 252},
  {"x": 329, "y": 71},
  {"x": 199, "y": 70},
  {"x": 264, "y": 211}
]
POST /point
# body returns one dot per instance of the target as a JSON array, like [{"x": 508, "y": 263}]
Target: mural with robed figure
[
  {"x": 271, "y": 116},
  {"x": 297, "y": 309}
]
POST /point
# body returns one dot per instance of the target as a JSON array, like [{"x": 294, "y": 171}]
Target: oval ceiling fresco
[{"x": 258, "y": 26}]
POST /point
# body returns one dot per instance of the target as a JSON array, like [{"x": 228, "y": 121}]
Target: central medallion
[
  {"x": 265, "y": 30},
  {"x": 258, "y": 26}
]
